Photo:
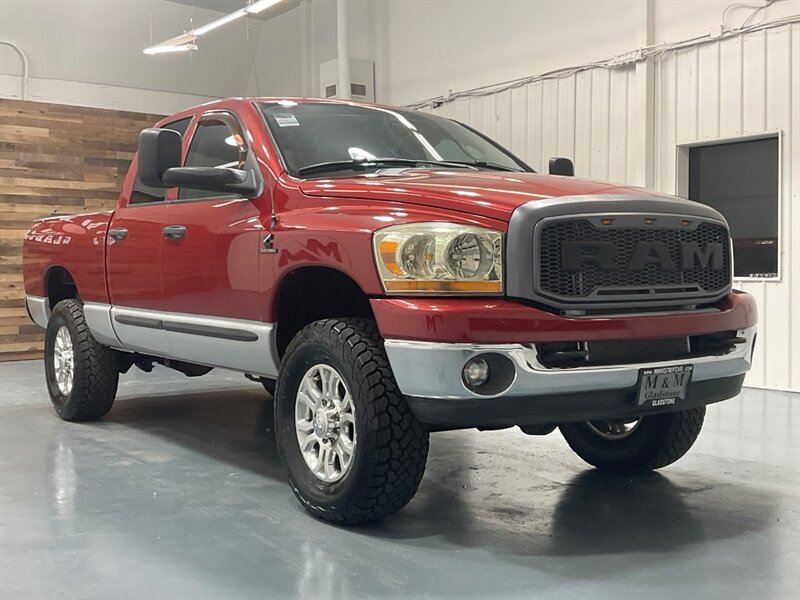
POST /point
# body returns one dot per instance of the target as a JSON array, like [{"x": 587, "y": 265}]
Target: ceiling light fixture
[
  {"x": 260, "y": 6},
  {"x": 166, "y": 49},
  {"x": 219, "y": 22},
  {"x": 187, "y": 41}
]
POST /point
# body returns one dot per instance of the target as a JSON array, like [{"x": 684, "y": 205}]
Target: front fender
[{"x": 327, "y": 233}]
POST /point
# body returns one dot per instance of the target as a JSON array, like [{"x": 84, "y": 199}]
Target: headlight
[{"x": 439, "y": 258}]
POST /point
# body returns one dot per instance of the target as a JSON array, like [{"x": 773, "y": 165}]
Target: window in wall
[
  {"x": 740, "y": 180},
  {"x": 141, "y": 193}
]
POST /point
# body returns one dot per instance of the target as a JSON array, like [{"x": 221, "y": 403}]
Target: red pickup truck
[{"x": 386, "y": 274}]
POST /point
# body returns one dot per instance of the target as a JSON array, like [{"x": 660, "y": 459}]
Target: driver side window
[{"x": 214, "y": 144}]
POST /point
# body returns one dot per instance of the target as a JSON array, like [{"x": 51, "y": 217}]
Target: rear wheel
[
  {"x": 81, "y": 374},
  {"x": 631, "y": 445},
  {"x": 353, "y": 450}
]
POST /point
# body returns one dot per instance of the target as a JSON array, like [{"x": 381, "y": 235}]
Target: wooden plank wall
[{"x": 54, "y": 160}]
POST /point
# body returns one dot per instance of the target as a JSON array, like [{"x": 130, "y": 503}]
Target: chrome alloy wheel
[
  {"x": 64, "y": 361},
  {"x": 613, "y": 429},
  {"x": 325, "y": 423}
]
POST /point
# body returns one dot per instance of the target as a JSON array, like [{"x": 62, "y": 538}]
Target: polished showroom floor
[{"x": 178, "y": 493}]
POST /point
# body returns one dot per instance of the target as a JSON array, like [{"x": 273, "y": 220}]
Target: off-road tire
[
  {"x": 658, "y": 441},
  {"x": 392, "y": 446},
  {"x": 96, "y": 374}
]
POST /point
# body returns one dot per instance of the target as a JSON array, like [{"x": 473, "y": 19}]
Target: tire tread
[
  {"x": 683, "y": 430},
  {"x": 94, "y": 393},
  {"x": 667, "y": 438},
  {"x": 401, "y": 450}
]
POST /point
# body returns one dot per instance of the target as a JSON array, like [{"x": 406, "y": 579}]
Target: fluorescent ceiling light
[
  {"x": 185, "y": 42},
  {"x": 167, "y": 49},
  {"x": 219, "y": 22},
  {"x": 260, "y": 5},
  {"x": 180, "y": 43}
]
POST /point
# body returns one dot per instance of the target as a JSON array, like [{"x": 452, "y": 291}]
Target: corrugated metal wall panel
[
  {"x": 519, "y": 121},
  {"x": 791, "y": 204},
  {"x": 566, "y": 117},
  {"x": 737, "y": 86},
  {"x": 534, "y": 125}
]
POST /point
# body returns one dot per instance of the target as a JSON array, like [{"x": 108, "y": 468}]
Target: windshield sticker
[{"x": 286, "y": 120}]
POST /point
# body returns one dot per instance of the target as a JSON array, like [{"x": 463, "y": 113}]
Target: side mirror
[
  {"x": 159, "y": 150},
  {"x": 160, "y": 167},
  {"x": 213, "y": 179},
  {"x": 562, "y": 166}
]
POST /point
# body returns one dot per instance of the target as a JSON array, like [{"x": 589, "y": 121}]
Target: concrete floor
[{"x": 178, "y": 493}]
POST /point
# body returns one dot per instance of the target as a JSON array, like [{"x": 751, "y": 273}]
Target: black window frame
[
  {"x": 234, "y": 124},
  {"x": 689, "y": 154},
  {"x": 136, "y": 183}
]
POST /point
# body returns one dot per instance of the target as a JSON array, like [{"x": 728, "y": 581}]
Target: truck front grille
[
  {"x": 590, "y": 260},
  {"x": 570, "y": 355}
]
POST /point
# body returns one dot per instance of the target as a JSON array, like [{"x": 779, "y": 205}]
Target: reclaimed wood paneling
[{"x": 54, "y": 160}]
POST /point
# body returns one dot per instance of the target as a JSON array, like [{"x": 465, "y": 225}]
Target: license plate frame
[{"x": 659, "y": 387}]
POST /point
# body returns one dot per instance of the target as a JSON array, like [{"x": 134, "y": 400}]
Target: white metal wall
[
  {"x": 586, "y": 116},
  {"x": 733, "y": 87}
]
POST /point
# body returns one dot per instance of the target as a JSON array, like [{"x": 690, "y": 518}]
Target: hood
[{"x": 490, "y": 194}]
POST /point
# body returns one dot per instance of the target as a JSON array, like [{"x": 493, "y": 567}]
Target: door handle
[
  {"x": 118, "y": 234},
  {"x": 174, "y": 232}
]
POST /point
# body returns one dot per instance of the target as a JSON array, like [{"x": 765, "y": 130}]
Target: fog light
[{"x": 476, "y": 372}]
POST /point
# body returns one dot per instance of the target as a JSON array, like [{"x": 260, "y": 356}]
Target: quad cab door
[
  {"x": 134, "y": 262},
  {"x": 213, "y": 311}
]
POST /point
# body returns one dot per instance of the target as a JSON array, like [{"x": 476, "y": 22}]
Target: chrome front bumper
[{"x": 433, "y": 370}]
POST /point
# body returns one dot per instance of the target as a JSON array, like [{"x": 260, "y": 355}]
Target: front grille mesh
[
  {"x": 567, "y": 355},
  {"x": 619, "y": 282}
]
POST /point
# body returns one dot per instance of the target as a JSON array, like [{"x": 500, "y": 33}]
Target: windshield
[{"x": 313, "y": 134}]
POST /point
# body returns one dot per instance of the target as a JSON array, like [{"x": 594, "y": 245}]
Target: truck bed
[{"x": 76, "y": 241}]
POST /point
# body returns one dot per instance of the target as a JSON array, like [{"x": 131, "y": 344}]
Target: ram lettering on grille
[
  {"x": 578, "y": 260},
  {"x": 604, "y": 255}
]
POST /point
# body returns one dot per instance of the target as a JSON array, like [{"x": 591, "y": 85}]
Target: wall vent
[{"x": 362, "y": 79}]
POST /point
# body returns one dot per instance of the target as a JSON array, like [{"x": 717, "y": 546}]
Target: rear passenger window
[
  {"x": 214, "y": 144},
  {"x": 143, "y": 194}
]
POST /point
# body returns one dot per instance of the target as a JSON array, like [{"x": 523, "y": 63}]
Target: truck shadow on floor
[
  {"x": 499, "y": 503},
  {"x": 232, "y": 426},
  {"x": 512, "y": 510}
]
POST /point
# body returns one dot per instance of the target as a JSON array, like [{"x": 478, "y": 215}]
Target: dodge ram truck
[{"x": 386, "y": 274}]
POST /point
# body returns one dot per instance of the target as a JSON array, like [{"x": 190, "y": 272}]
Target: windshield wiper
[
  {"x": 361, "y": 164},
  {"x": 485, "y": 164}
]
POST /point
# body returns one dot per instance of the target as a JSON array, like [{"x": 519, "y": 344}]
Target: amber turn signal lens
[
  {"x": 388, "y": 253},
  {"x": 443, "y": 285}
]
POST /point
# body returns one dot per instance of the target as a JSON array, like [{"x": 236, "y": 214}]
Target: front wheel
[
  {"x": 353, "y": 450},
  {"x": 632, "y": 445},
  {"x": 82, "y": 375}
]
